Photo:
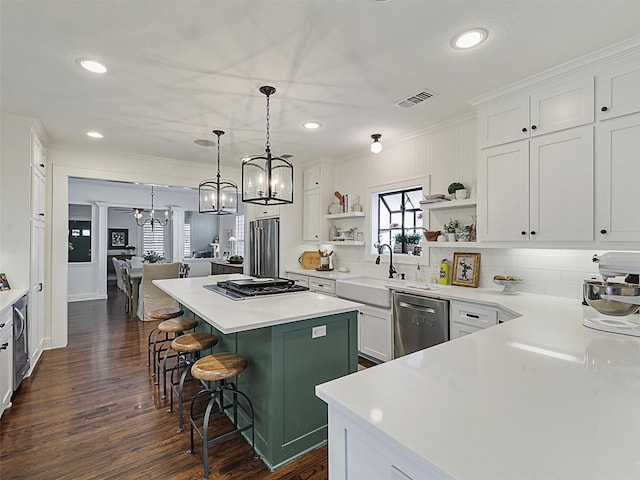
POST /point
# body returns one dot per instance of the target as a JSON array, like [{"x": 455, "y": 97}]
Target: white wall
[{"x": 447, "y": 154}]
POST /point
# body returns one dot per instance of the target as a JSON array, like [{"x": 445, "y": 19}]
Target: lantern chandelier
[
  {"x": 137, "y": 213},
  {"x": 267, "y": 180},
  {"x": 218, "y": 197}
]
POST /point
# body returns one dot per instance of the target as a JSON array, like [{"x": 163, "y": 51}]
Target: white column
[
  {"x": 99, "y": 245},
  {"x": 177, "y": 232}
]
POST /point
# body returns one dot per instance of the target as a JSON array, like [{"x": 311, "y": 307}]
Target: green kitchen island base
[{"x": 285, "y": 363}]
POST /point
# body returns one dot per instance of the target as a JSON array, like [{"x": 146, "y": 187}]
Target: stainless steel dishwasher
[{"x": 418, "y": 322}]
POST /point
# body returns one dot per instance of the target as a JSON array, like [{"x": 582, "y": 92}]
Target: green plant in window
[{"x": 411, "y": 238}]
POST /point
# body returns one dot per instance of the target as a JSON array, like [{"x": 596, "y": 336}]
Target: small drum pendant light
[
  {"x": 267, "y": 180},
  {"x": 218, "y": 197}
]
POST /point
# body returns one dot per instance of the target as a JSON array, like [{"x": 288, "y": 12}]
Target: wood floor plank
[{"x": 92, "y": 411}]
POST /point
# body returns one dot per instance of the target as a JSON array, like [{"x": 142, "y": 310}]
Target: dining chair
[{"x": 153, "y": 298}]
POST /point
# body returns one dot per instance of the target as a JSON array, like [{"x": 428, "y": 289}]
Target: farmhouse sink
[{"x": 369, "y": 290}]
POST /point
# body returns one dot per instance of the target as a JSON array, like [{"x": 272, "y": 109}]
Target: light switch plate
[{"x": 320, "y": 331}]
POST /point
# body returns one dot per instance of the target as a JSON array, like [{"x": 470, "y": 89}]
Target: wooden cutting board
[{"x": 310, "y": 260}]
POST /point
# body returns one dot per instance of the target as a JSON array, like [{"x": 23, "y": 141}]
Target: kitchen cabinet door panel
[
  {"x": 503, "y": 197},
  {"x": 618, "y": 171},
  {"x": 503, "y": 122},
  {"x": 618, "y": 92},
  {"x": 561, "y": 180},
  {"x": 563, "y": 106},
  {"x": 311, "y": 220}
]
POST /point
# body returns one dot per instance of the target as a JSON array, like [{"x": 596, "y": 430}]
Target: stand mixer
[{"x": 617, "y": 299}]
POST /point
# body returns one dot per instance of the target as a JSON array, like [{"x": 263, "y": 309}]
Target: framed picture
[
  {"x": 118, "y": 237},
  {"x": 4, "y": 283},
  {"x": 466, "y": 269}
]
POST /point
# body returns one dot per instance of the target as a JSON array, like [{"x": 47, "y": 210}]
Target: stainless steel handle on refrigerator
[
  {"x": 417, "y": 307},
  {"x": 258, "y": 252},
  {"x": 22, "y": 320}
]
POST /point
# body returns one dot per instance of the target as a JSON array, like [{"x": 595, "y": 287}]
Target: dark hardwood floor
[{"x": 91, "y": 411}]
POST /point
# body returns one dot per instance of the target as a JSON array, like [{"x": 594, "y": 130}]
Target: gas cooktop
[{"x": 255, "y": 287}]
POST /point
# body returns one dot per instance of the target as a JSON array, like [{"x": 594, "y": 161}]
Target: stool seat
[
  {"x": 219, "y": 366},
  {"x": 177, "y": 324},
  {"x": 193, "y": 342},
  {"x": 166, "y": 313}
]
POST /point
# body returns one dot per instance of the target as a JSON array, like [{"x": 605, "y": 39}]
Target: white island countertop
[
  {"x": 538, "y": 397},
  {"x": 231, "y": 316}
]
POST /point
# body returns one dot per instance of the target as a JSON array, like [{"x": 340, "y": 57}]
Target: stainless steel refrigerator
[{"x": 264, "y": 247}]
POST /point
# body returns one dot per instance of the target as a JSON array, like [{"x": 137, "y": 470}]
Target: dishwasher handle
[{"x": 417, "y": 307}]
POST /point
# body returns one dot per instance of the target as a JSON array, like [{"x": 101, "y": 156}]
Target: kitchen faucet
[{"x": 392, "y": 269}]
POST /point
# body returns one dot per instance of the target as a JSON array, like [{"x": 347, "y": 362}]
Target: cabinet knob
[
  {"x": 523, "y": 232},
  {"x": 4, "y": 346},
  {"x": 41, "y": 214},
  {"x": 604, "y": 109},
  {"x": 533, "y": 232},
  {"x": 524, "y": 129},
  {"x": 2, "y": 325},
  {"x": 42, "y": 164},
  {"x": 603, "y": 231},
  {"x": 533, "y": 127}
]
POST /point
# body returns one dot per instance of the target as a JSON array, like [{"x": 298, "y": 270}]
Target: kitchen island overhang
[
  {"x": 292, "y": 343},
  {"x": 538, "y": 397}
]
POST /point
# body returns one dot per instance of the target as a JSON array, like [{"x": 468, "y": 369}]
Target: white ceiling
[{"x": 178, "y": 69}]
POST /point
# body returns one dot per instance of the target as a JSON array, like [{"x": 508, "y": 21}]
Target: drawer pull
[
  {"x": 4, "y": 346},
  {"x": 473, "y": 315},
  {"x": 2, "y": 325}
]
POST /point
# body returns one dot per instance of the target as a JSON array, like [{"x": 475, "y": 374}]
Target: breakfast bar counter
[
  {"x": 538, "y": 397},
  {"x": 292, "y": 342}
]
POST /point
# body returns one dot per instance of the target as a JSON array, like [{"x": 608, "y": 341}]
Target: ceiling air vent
[{"x": 415, "y": 99}]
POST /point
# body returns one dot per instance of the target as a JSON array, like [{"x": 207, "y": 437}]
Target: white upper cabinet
[
  {"x": 545, "y": 110},
  {"x": 311, "y": 207},
  {"x": 561, "y": 182},
  {"x": 503, "y": 193},
  {"x": 503, "y": 122},
  {"x": 619, "y": 90},
  {"x": 617, "y": 174},
  {"x": 539, "y": 190}
]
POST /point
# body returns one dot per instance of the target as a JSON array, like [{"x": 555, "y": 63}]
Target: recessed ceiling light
[
  {"x": 91, "y": 65},
  {"x": 311, "y": 125},
  {"x": 469, "y": 39},
  {"x": 95, "y": 135}
]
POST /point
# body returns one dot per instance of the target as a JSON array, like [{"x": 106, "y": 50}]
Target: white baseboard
[{"x": 86, "y": 296}]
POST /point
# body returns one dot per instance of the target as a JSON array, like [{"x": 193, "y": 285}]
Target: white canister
[{"x": 461, "y": 194}]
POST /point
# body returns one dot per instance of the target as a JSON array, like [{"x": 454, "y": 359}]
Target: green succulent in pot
[
  {"x": 451, "y": 226},
  {"x": 455, "y": 186}
]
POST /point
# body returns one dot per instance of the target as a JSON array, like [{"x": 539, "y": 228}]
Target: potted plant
[
  {"x": 408, "y": 239},
  {"x": 450, "y": 227},
  {"x": 152, "y": 257},
  {"x": 457, "y": 190}
]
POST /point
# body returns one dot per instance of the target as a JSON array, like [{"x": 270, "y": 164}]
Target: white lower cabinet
[
  {"x": 321, "y": 285},
  {"x": 302, "y": 280},
  {"x": 6, "y": 358},
  {"x": 466, "y": 318},
  {"x": 375, "y": 333},
  {"x": 358, "y": 452}
]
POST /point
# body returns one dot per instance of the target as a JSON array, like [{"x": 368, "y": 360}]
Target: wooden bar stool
[
  {"x": 188, "y": 348},
  {"x": 170, "y": 331},
  {"x": 160, "y": 314},
  {"x": 219, "y": 368}
]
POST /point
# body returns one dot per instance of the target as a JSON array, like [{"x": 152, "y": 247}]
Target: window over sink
[{"x": 398, "y": 220}]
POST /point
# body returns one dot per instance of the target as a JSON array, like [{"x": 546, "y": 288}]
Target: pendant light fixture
[
  {"x": 267, "y": 180},
  {"x": 218, "y": 197},
  {"x": 138, "y": 215},
  {"x": 376, "y": 145}
]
